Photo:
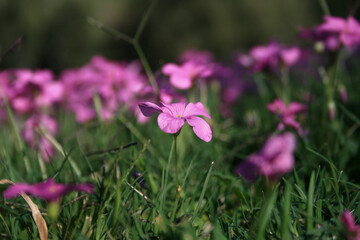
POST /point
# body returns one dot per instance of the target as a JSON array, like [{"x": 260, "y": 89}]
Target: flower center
[
  {"x": 52, "y": 189},
  {"x": 179, "y": 116}
]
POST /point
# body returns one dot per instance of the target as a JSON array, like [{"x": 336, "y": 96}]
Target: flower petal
[
  {"x": 193, "y": 109},
  {"x": 181, "y": 81},
  {"x": 170, "y": 124},
  {"x": 201, "y": 128},
  {"x": 296, "y": 107},
  {"x": 170, "y": 68},
  {"x": 149, "y": 109},
  {"x": 16, "y": 189},
  {"x": 174, "y": 109},
  {"x": 249, "y": 168}
]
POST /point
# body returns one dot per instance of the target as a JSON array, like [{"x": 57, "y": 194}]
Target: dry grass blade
[{"x": 39, "y": 220}]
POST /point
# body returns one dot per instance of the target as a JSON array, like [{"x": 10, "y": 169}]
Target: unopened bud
[
  {"x": 332, "y": 109},
  {"x": 343, "y": 93},
  {"x": 319, "y": 47}
]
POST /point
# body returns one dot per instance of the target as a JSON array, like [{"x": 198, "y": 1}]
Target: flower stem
[
  {"x": 177, "y": 198},
  {"x": 166, "y": 175}
]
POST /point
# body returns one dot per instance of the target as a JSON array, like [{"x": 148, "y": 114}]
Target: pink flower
[
  {"x": 32, "y": 90},
  {"x": 287, "y": 114},
  {"x": 47, "y": 125},
  {"x": 183, "y": 76},
  {"x": 334, "y": 32},
  {"x": 196, "y": 56},
  {"x": 353, "y": 230},
  {"x": 173, "y": 116},
  {"x": 274, "y": 159},
  {"x": 270, "y": 57},
  {"x": 347, "y": 30},
  {"x": 48, "y": 190}
]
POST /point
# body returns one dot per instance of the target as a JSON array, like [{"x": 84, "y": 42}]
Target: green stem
[
  {"x": 167, "y": 175},
  {"x": 285, "y": 83},
  {"x": 325, "y": 7},
  {"x": 177, "y": 198},
  {"x": 147, "y": 68}
]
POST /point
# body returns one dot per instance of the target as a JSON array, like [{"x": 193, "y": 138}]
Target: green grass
[{"x": 211, "y": 203}]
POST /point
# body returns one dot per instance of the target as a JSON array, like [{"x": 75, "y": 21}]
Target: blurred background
[{"x": 58, "y": 36}]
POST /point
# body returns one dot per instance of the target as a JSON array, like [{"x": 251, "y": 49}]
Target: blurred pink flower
[
  {"x": 46, "y": 124},
  {"x": 196, "y": 56},
  {"x": 287, "y": 114},
  {"x": 116, "y": 84},
  {"x": 183, "y": 76},
  {"x": 347, "y": 30},
  {"x": 353, "y": 230},
  {"x": 48, "y": 190},
  {"x": 270, "y": 57},
  {"x": 30, "y": 91},
  {"x": 173, "y": 116},
  {"x": 334, "y": 31},
  {"x": 274, "y": 159}
]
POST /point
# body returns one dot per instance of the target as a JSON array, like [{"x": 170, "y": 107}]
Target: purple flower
[
  {"x": 173, "y": 116},
  {"x": 48, "y": 190},
  {"x": 274, "y": 159},
  {"x": 353, "y": 230},
  {"x": 183, "y": 76},
  {"x": 287, "y": 114}
]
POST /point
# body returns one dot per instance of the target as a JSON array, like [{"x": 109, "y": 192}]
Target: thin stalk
[
  {"x": 144, "y": 20},
  {"x": 167, "y": 175},
  {"x": 202, "y": 192},
  {"x": 147, "y": 68},
  {"x": 286, "y": 213},
  {"x": 109, "y": 30},
  {"x": 325, "y": 7},
  {"x": 178, "y": 188},
  {"x": 310, "y": 203},
  {"x": 266, "y": 214},
  {"x": 285, "y": 82}
]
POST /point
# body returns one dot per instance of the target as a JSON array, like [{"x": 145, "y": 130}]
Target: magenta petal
[
  {"x": 193, "y": 109},
  {"x": 170, "y": 124},
  {"x": 16, "y": 189},
  {"x": 201, "y": 128},
  {"x": 290, "y": 56},
  {"x": 89, "y": 188},
  {"x": 347, "y": 219},
  {"x": 175, "y": 109},
  {"x": 332, "y": 24},
  {"x": 295, "y": 107},
  {"x": 148, "y": 108},
  {"x": 277, "y": 107}
]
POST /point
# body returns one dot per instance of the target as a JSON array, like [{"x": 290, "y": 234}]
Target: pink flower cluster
[
  {"x": 116, "y": 84},
  {"x": 274, "y": 159},
  {"x": 334, "y": 32},
  {"x": 35, "y": 94},
  {"x": 270, "y": 57}
]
